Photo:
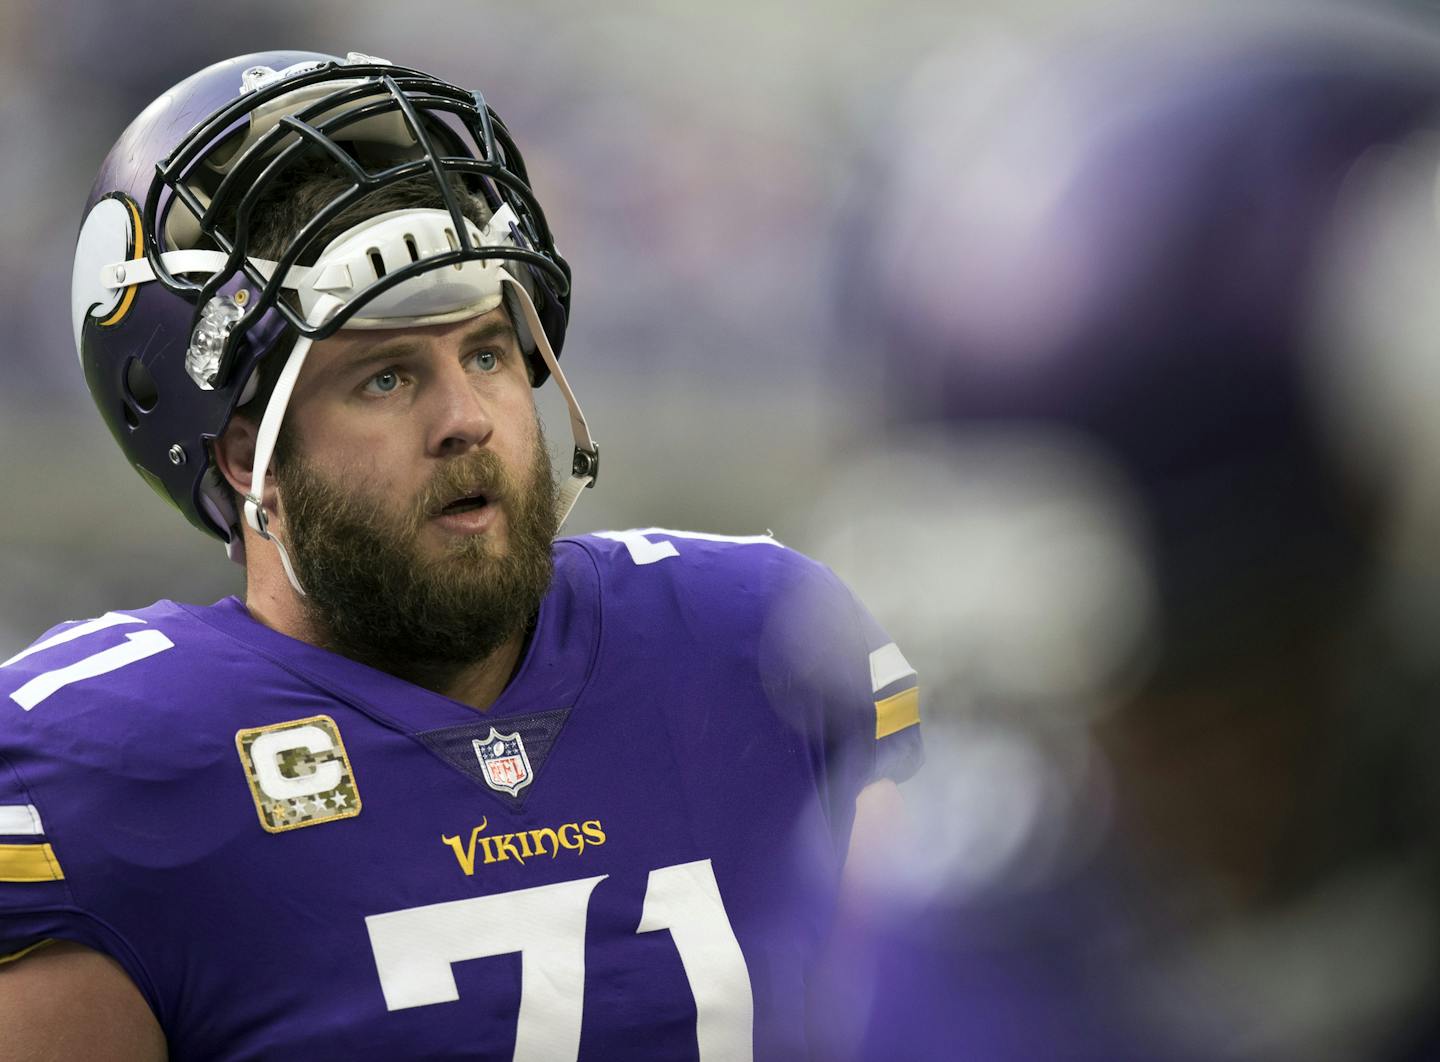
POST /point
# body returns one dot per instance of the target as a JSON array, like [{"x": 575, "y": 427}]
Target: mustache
[
  {"x": 477, "y": 472},
  {"x": 310, "y": 498}
]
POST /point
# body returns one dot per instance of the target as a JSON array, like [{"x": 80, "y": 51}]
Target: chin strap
[
  {"x": 255, "y": 514},
  {"x": 585, "y": 463},
  {"x": 269, "y": 431}
]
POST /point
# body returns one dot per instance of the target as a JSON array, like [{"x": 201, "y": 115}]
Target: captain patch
[{"x": 298, "y": 772}]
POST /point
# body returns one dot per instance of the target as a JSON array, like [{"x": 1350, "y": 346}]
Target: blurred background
[
  {"x": 1094, "y": 345},
  {"x": 691, "y": 160}
]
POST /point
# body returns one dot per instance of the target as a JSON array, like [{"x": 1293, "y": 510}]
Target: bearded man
[{"x": 442, "y": 785}]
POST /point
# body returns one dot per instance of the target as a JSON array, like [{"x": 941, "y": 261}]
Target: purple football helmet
[{"x": 172, "y": 312}]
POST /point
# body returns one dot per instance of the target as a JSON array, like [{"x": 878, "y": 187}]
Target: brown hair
[{"x": 304, "y": 190}]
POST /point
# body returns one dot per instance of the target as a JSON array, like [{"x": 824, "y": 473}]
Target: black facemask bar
[{"x": 500, "y": 171}]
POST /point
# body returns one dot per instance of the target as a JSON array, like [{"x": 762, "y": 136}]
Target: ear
[{"x": 235, "y": 457}]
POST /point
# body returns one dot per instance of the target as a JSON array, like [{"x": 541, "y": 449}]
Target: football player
[{"x": 442, "y": 785}]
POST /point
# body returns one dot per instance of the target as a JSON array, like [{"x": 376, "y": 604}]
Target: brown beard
[{"x": 371, "y": 594}]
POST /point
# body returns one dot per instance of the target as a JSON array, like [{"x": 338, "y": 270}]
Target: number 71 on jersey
[{"x": 414, "y": 950}]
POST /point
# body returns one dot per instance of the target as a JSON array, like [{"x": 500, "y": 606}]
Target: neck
[{"x": 477, "y": 684}]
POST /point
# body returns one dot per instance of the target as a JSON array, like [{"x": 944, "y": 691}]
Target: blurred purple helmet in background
[
  {"x": 1127, "y": 248},
  {"x": 1161, "y": 272}
]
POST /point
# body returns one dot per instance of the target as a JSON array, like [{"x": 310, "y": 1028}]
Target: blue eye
[
  {"x": 384, "y": 382},
  {"x": 487, "y": 360}
]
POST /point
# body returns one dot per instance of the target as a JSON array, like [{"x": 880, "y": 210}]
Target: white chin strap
[{"x": 255, "y": 513}]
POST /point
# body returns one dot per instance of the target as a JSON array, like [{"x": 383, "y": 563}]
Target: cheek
[
  {"x": 362, "y": 453},
  {"x": 523, "y": 433}
]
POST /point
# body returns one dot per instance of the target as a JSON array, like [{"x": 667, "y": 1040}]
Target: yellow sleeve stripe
[
  {"x": 23, "y": 952},
  {"x": 29, "y": 862},
  {"x": 896, "y": 712}
]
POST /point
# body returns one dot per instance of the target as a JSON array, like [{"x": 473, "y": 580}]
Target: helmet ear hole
[{"x": 140, "y": 386}]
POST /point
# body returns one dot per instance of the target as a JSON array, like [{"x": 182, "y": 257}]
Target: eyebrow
[{"x": 405, "y": 347}]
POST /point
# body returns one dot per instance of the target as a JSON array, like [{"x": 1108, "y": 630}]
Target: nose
[{"x": 461, "y": 417}]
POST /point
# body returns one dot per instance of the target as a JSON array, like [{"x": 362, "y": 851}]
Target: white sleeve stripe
[
  {"x": 17, "y": 819},
  {"x": 888, "y": 665},
  {"x": 110, "y": 619}
]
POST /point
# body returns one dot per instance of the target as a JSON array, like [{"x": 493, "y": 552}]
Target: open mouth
[{"x": 465, "y": 505}]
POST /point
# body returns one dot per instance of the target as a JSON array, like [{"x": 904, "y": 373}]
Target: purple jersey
[{"x": 632, "y": 854}]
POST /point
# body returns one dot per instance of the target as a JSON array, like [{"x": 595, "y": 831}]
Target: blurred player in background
[
  {"x": 1160, "y": 320},
  {"x": 442, "y": 785}
]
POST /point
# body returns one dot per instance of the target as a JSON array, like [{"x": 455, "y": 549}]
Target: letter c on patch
[{"x": 265, "y": 754}]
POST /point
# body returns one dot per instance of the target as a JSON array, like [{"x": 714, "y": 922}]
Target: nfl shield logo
[{"x": 503, "y": 759}]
